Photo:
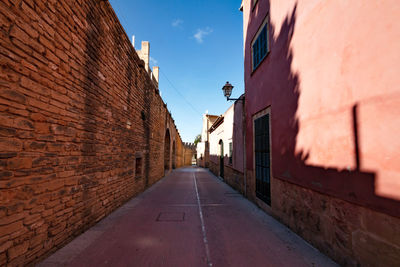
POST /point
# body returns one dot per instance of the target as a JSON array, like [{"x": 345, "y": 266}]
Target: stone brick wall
[
  {"x": 78, "y": 112},
  {"x": 189, "y": 151},
  {"x": 232, "y": 177},
  {"x": 213, "y": 165},
  {"x": 350, "y": 234}
]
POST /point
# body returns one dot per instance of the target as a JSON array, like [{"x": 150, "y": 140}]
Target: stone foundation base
[
  {"x": 352, "y": 235},
  {"x": 231, "y": 176}
]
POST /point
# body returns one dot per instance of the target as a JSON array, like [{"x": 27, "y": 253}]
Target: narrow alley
[
  {"x": 199, "y": 133},
  {"x": 189, "y": 218}
]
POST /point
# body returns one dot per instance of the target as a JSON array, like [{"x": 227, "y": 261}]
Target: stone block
[
  {"x": 370, "y": 250},
  {"x": 10, "y": 228},
  {"x": 382, "y": 225},
  {"x": 17, "y": 250}
]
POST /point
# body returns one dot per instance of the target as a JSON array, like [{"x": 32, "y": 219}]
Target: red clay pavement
[{"x": 189, "y": 218}]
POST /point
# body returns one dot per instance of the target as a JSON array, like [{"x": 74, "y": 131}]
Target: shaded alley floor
[{"x": 189, "y": 218}]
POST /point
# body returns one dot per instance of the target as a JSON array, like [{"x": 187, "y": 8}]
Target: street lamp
[{"x": 228, "y": 91}]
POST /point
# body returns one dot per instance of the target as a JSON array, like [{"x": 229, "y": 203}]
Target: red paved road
[{"x": 189, "y": 218}]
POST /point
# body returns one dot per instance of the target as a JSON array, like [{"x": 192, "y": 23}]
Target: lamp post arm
[{"x": 234, "y": 99}]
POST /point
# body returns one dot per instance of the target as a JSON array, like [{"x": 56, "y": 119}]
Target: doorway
[
  {"x": 262, "y": 156},
  {"x": 167, "y": 150},
  {"x": 221, "y": 158}
]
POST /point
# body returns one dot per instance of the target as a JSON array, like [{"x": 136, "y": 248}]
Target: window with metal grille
[
  {"x": 230, "y": 152},
  {"x": 262, "y": 158},
  {"x": 260, "y": 45}
]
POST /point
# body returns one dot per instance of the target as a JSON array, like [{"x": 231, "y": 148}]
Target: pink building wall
[
  {"x": 329, "y": 61},
  {"x": 331, "y": 81}
]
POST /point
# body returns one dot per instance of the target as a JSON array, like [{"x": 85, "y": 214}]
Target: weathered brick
[
  {"x": 45, "y": 138},
  {"x": 22, "y": 123},
  {"x": 28, "y": 220},
  {"x": 10, "y": 228},
  {"x": 6, "y": 155},
  {"x": 60, "y": 97},
  {"x": 5, "y": 131},
  {"x": 25, "y": 134},
  {"x": 59, "y": 39},
  {"x": 28, "y": 65},
  {"x": 30, "y": 84},
  {"x": 29, "y": 30},
  {"x": 10, "y": 144},
  {"x": 20, "y": 112},
  {"x": 18, "y": 250},
  {"x": 54, "y": 185},
  {"x": 52, "y": 57},
  {"x": 3, "y": 259},
  {"x": 5, "y": 246},
  {"x": 7, "y": 120},
  {"x": 15, "y": 208},
  {"x": 62, "y": 55},
  {"x": 3, "y": 164},
  {"x": 47, "y": 43},
  {"x": 18, "y": 33},
  {"x": 42, "y": 127},
  {"x": 12, "y": 218},
  {"x": 13, "y": 95},
  {"x": 19, "y": 163},
  {"x": 38, "y": 117},
  {"x": 41, "y": 161},
  {"x": 47, "y": 213},
  {"x": 38, "y": 239},
  {"x": 57, "y": 229},
  {"x": 64, "y": 108},
  {"x": 35, "y": 103},
  {"x": 37, "y": 209},
  {"x": 38, "y": 225}
]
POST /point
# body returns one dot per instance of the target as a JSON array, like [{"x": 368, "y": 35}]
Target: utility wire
[
  {"x": 187, "y": 101},
  {"x": 123, "y": 17}
]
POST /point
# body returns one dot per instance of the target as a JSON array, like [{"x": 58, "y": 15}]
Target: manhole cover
[{"x": 171, "y": 217}]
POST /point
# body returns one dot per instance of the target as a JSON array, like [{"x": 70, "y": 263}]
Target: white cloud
[
  {"x": 153, "y": 61},
  {"x": 201, "y": 33},
  {"x": 177, "y": 23}
]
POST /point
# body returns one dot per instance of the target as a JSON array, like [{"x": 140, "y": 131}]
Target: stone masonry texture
[{"x": 78, "y": 112}]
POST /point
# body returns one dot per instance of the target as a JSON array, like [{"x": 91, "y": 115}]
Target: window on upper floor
[{"x": 260, "y": 45}]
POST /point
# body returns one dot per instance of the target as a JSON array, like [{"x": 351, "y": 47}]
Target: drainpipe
[{"x": 244, "y": 144}]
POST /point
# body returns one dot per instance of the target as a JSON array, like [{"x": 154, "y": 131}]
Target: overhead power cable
[{"x": 184, "y": 98}]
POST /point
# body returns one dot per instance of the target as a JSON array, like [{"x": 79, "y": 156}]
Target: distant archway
[
  {"x": 167, "y": 150},
  {"x": 221, "y": 158},
  {"x": 173, "y": 155}
]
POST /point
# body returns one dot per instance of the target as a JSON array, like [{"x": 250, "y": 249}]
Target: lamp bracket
[{"x": 234, "y": 99}]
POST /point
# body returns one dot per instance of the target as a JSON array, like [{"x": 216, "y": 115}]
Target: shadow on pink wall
[{"x": 354, "y": 186}]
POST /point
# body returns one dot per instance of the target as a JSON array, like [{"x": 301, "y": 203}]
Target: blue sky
[{"x": 198, "y": 45}]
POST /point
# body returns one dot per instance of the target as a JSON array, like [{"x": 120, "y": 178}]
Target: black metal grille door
[{"x": 262, "y": 157}]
